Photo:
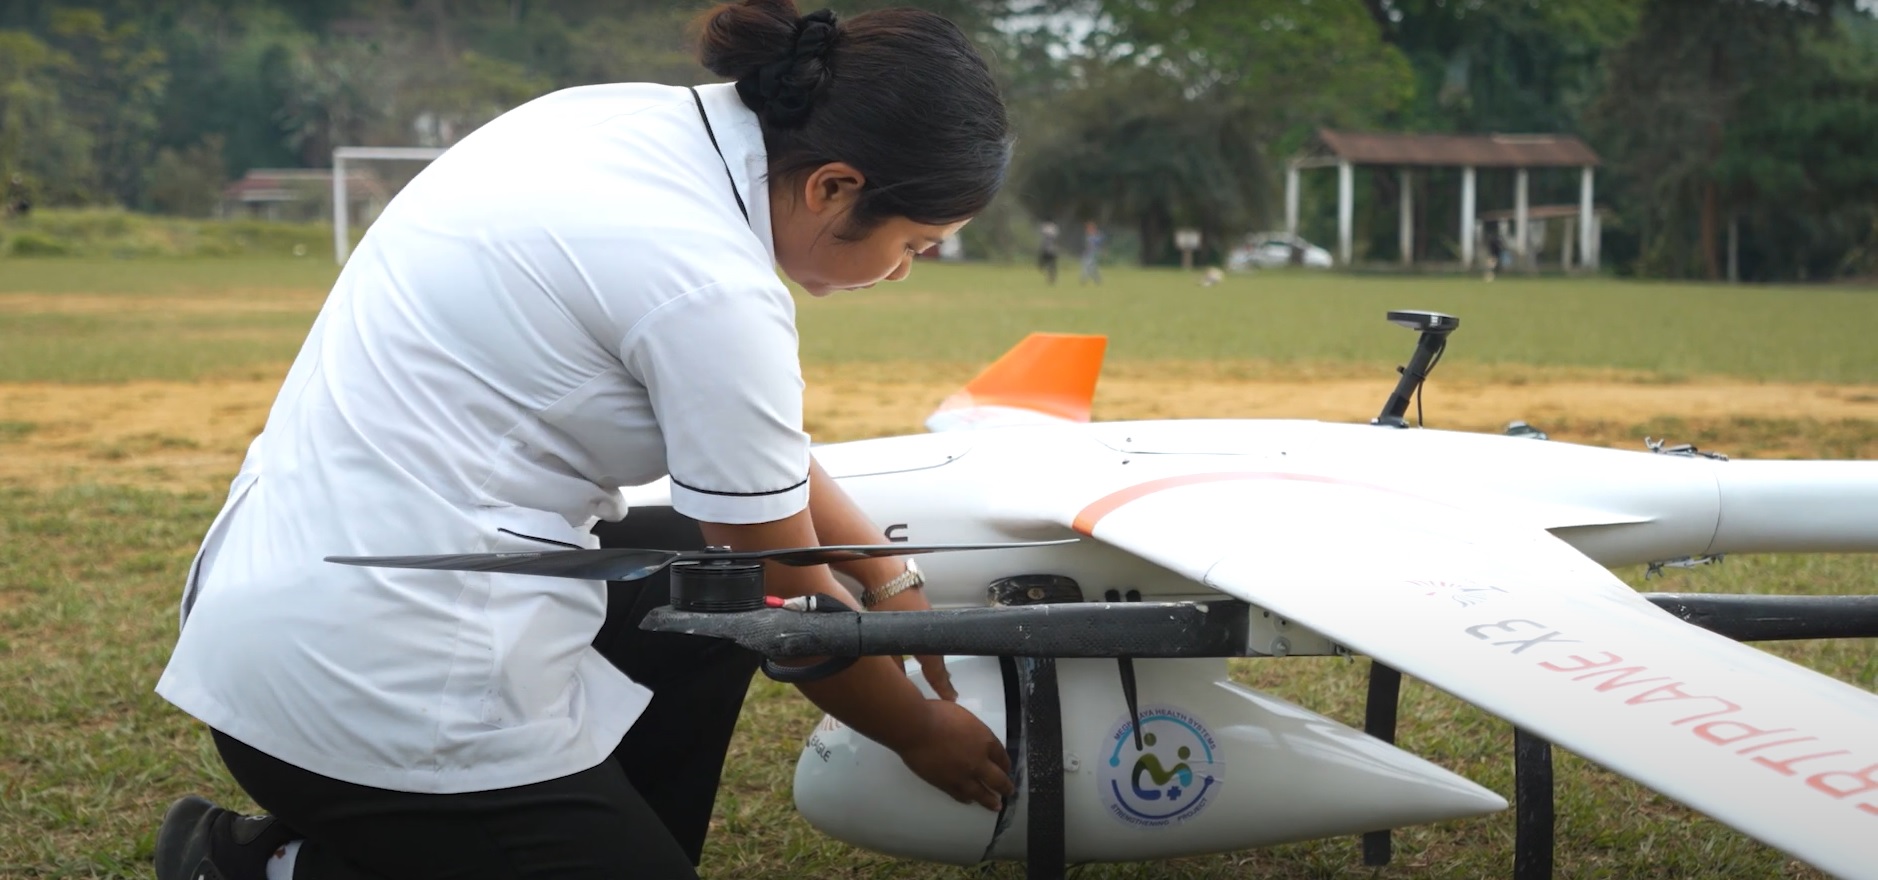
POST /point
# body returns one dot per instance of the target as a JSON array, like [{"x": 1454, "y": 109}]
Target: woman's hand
[
  {"x": 932, "y": 666},
  {"x": 957, "y": 754}
]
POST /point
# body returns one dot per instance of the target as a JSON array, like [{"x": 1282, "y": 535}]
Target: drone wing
[{"x": 1503, "y": 615}]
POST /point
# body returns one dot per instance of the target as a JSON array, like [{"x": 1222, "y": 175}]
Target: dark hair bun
[
  {"x": 735, "y": 40},
  {"x": 899, "y": 94},
  {"x": 780, "y": 61}
]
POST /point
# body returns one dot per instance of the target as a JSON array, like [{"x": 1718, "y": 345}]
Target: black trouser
[
  {"x": 643, "y": 813},
  {"x": 588, "y": 825}
]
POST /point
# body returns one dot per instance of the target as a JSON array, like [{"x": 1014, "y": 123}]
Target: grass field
[
  {"x": 89, "y": 321},
  {"x": 128, "y": 390}
]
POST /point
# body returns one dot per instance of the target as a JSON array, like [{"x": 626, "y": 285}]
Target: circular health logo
[{"x": 1170, "y": 779}]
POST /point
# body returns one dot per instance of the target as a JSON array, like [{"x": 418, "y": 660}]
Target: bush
[
  {"x": 118, "y": 233},
  {"x": 186, "y": 183},
  {"x": 32, "y": 244}
]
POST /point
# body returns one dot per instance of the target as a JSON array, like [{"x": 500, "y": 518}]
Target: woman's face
[{"x": 804, "y": 223}]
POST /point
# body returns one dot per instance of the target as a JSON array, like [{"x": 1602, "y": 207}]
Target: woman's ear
[{"x": 832, "y": 188}]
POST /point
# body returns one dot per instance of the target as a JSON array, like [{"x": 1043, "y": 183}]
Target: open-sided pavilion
[{"x": 1345, "y": 151}]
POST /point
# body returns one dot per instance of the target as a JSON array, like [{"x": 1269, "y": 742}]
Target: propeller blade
[
  {"x": 629, "y": 565},
  {"x": 849, "y": 552},
  {"x": 594, "y": 565}
]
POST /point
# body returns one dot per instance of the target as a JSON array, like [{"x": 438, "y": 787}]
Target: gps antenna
[{"x": 1434, "y": 328}]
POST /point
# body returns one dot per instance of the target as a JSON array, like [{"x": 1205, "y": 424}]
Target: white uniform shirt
[{"x": 566, "y": 302}]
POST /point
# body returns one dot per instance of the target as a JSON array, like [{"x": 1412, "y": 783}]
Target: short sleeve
[{"x": 721, "y": 367}]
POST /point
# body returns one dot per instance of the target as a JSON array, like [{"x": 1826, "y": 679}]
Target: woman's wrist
[{"x": 909, "y": 578}]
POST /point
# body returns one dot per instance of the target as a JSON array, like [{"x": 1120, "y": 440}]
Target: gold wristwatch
[{"x": 910, "y": 579}]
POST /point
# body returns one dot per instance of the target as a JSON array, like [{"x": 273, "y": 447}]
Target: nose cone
[{"x": 858, "y": 791}]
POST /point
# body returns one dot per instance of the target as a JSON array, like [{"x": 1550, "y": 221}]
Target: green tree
[
  {"x": 1503, "y": 66},
  {"x": 231, "y": 75},
  {"x": 38, "y": 141},
  {"x": 1798, "y": 162},
  {"x": 344, "y": 91},
  {"x": 1171, "y": 110},
  {"x": 1291, "y": 65},
  {"x": 1691, "y": 101},
  {"x": 650, "y": 46},
  {"x": 452, "y": 98},
  {"x": 1131, "y": 149},
  {"x": 113, "y": 87}
]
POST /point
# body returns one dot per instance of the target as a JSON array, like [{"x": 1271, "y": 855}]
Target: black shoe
[{"x": 201, "y": 841}]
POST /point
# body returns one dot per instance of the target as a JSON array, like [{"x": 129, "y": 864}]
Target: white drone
[{"x": 1475, "y": 562}]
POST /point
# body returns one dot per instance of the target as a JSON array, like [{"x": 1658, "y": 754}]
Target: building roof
[
  {"x": 1457, "y": 150},
  {"x": 298, "y": 184}
]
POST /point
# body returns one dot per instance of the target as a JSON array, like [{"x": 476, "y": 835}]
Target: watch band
[{"x": 911, "y": 579}]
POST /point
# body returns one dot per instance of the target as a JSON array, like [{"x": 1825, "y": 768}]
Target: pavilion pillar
[
  {"x": 1597, "y": 240},
  {"x": 1522, "y": 224},
  {"x": 1346, "y": 209},
  {"x": 1291, "y": 198},
  {"x": 1734, "y": 248},
  {"x": 1587, "y": 237},
  {"x": 1405, "y": 225},
  {"x": 1468, "y": 232}
]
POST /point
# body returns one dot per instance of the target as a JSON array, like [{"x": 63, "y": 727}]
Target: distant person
[
  {"x": 1046, "y": 251},
  {"x": 1496, "y": 252},
  {"x": 18, "y": 203},
  {"x": 1092, "y": 239},
  {"x": 500, "y": 356}
]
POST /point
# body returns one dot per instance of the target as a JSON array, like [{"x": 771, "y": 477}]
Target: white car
[{"x": 1276, "y": 250}]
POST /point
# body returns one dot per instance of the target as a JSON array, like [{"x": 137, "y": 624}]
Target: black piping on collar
[{"x": 734, "y": 193}]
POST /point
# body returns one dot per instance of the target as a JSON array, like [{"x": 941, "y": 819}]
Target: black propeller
[{"x": 630, "y": 565}]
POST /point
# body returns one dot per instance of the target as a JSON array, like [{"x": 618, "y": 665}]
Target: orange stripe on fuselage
[{"x": 1085, "y": 521}]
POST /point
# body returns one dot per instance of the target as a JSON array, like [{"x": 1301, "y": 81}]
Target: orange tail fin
[{"x": 1052, "y": 375}]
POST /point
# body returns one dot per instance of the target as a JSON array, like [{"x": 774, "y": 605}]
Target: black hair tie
[{"x": 775, "y": 90}]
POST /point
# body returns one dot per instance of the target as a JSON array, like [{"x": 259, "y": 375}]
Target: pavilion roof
[{"x": 1457, "y": 150}]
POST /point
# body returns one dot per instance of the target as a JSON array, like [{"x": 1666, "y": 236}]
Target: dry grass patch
[
  {"x": 845, "y": 402},
  {"x": 183, "y": 436},
  {"x": 191, "y": 435}
]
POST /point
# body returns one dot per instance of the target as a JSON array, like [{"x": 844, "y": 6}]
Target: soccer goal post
[{"x": 342, "y": 214}]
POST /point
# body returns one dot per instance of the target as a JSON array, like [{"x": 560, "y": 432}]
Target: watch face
[{"x": 911, "y": 565}]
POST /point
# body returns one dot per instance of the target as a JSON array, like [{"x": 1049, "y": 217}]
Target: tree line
[{"x": 1146, "y": 115}]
